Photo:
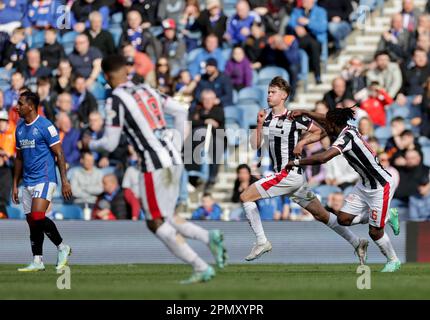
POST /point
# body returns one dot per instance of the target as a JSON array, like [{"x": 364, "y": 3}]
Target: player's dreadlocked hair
[{"x": 340, "y": 116}]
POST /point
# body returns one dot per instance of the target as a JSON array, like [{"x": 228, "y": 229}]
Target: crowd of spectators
[{"x": 206, "y": 54}]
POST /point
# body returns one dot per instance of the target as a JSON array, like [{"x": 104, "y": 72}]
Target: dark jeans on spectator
[{"x": 313, "y": 49}]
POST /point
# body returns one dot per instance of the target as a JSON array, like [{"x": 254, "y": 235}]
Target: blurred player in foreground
[
  {"x": 37, "y": 145},
  {"x": 139, "y": 111},
  {"x": 369, "y": 202}
]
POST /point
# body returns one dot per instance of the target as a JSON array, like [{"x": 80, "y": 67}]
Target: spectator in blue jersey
[
  {"x": 211, "y": 50},
  {"x": 43, "y": 14},
  {"x": 86, "y": 60},
  {"x": 13, "y": 14},
  {"x": 69, "y": 137},
  {"x": 52, "y": 51},
  {"x": 81, "y": 10},
  {"x": 209, "y": 210},
  {"x": 310, "y": 24},
  {"x": 11, "y": 95},
  {"x": 14, "y": 49},
  {"x": 32, "y": 69},
  {"x": 239, "y": 27},
  {"x": 217, "y": 81}
]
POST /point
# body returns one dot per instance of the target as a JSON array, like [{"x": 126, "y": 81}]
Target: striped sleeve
[
  {"x": 303, "y": 123},
  {"x": 344, "y": 142}
]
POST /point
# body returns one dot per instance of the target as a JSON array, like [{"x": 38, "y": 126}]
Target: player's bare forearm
[
  {"x": 319, "y": 158},
  {"x": 61, "y": 161},
  {"x": 317, "y": 117},
  {"x": 18, "y": 169},
  {"x": 257, "y": 137}
]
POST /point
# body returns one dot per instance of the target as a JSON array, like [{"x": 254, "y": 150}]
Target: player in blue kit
[{"x": 37, "y": 145}]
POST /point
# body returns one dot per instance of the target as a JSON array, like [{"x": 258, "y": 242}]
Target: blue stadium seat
[
  {"x": 98, "y": 91},
  {"x": 116, "y": 33},
  {"x": 37, "y": 39},
  {"x": 68, "y": 41},
  {"x": 250, "y": 95},
  {"x": 192, "y": 55},
  {"x": 232, "y": 114},
  {"x": 383, "y": 134},
  {"x": 263, "y": 88},
  {"x": 254, "y": 77},
  {"x": 249, "y": 111},
  {"x": 70, "y": 212},
  {"x": 15, "y": 213},
  {"x": 426, "y": 156},
  {"x": 398, "y": 111},
  {"x": 304, "y": 68},
  {"x": 268, "y": 73},
  {"x": 117, "y": 18},
  {"x": 424, "y": 141}
]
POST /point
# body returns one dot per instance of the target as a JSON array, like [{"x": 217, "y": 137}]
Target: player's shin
[
  {"x": 254, "y": 219},
  {"x": 177, "y": 245},
  {"x": 189, "y": 229},
  {"x": 386, "y": 247},
  {"x": 51, "y": 231}
]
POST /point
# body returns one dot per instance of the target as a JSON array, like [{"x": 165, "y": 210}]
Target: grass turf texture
[{"x": 253, "y": 281}]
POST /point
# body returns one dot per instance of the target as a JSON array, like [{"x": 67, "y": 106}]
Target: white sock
[
  {"x": 61, "y": 246},
  {"x": 255, "y": 221},
  {"x": 191, "y": 230},
  {"x": 177, "y": 245},
  {"x": 343, "y": 231},
  {"x": 37, "y": 259},
  {"x": 363, "y": 219},
  {"x": 386, "y": 248}
]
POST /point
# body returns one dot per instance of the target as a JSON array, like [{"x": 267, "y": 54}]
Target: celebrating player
[
  {"x": 370, "y": 197},
  {"x": 281, "y": 135},
  {"x": 37, "y": 145},
  {"x": 139, "y": 110}
]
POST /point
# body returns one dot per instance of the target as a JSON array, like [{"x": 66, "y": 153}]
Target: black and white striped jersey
[
  {"x": 281, "y": 135},
  {"x": 139, "y": 111},
  {"x": 362, "y": 158}
]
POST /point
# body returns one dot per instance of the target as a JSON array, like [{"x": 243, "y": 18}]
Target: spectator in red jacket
[
  {"x": 375, "y": 104},
  {"x": 115, "y": 203}
]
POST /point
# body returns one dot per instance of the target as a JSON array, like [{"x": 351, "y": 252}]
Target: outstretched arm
[
  {"x": 317, "y": 117},
  {"x": 315, "y": 159},
  {"x": 61, "y": 162},
  {"x": 316, "y": 133}
]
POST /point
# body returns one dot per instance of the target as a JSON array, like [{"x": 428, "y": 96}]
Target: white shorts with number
[
  {"x": 292, "y": 184},
  {"x": 159, "y": 192},
  {"x": 42, "y": 190},
  {"x": 370, "y": 203}
]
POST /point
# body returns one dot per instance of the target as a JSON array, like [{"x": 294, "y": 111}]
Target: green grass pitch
[{"x": 253, "y": 281}]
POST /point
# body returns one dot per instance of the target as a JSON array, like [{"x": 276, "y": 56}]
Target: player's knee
[
  {"x": 37, "y": 215},
  {"x": 376, "y": 233},
  {"x": 343, "y": 220},
  {"x": 153, "y": 225}
]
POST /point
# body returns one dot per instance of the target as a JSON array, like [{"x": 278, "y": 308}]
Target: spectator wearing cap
[
  {"x": 239, "y": 69},
  {"x": 171, "y": 46},
  {"x": 397, "y": 41},
  {"x": 80, "y": 11},
  {"x": 32, "y": 69},
  {"x": 217, "y": 81},
  {"x": 310, "y": 24},
  {"x": 213, "y": 20},
  {"x": 170, "y": 9},
  {"x": 85, "y": 60},
  {"x": 211, "y": 50},
  {"x": 7, "y": 134},
  {"x": 386, "y": 73},
  {"x": 99, "y": 38},
  {"x": 239, "y": 27},
  {"x": 13, "y": 14},
  {"x": 142, "y": 63},
  {"x": 338, "y": 20},
  {"x": 52, "y": 51}
]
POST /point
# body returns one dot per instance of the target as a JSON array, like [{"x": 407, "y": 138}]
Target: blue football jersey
[{"x": 34, "y": 140}]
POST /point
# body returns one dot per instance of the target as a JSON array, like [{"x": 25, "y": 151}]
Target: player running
[
  {"x": 139, "y": 111},
  {"x": 37, "y": 145},
  {"x": 281, "y": 136},
  {"x": 370, "y": 199}
]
